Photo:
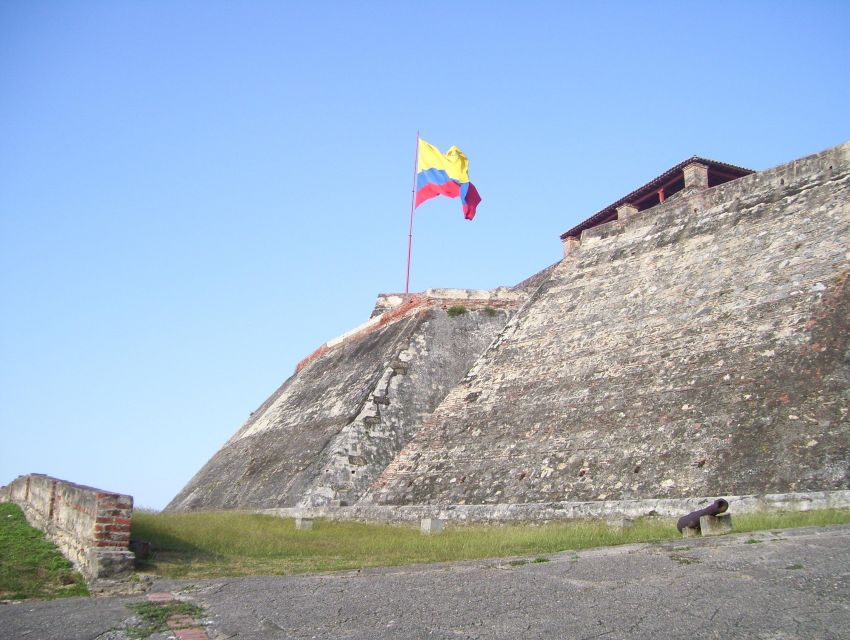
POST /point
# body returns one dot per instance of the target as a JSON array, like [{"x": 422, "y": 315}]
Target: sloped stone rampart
[
  {"x": 90, "y": 526},
  {"x": 331, "y": 428},
  {"x": 697, "y": 348}
]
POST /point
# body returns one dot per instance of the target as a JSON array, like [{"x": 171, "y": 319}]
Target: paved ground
[{"x": 778, "y": 586}]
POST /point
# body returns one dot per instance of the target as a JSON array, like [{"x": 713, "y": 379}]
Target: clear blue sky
[{"x": 195, "y": 195}]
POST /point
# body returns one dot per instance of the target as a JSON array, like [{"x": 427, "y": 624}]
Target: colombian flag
[{"x": 445, "y": 175}]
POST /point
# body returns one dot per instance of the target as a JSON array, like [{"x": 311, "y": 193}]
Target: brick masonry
[{"x": 90, "y": 526}]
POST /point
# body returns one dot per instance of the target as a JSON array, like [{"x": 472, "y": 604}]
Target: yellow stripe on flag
[{"x": 454, "y": 162}]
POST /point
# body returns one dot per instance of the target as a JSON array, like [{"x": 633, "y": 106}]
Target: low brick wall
[
  {"x": 558, "y": 511},
  {"x": 90, "y": 526}
]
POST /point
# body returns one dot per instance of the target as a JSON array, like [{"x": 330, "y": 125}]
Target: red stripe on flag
[
  {"x": 431, "y": 190},
  {"x": 471, "y": 203}
]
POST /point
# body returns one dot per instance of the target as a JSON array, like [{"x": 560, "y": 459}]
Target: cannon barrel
[{"x": 692, "y": 519}]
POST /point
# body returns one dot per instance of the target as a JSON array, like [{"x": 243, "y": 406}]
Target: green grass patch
[
  {"x": 456, "y": 310},
  {"x": 232, "y": 543},
  {"x": 227, "y": 543},
  {"x": 30, "y": 565},
  {"x": 154, "y": 617},
  {"x": 789, "y": 519}
]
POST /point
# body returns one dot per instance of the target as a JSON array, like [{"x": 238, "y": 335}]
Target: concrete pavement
[{"x": 771, "y": 585}]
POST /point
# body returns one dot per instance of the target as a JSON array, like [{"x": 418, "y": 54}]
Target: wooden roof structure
[{"x": 659, "y": 189}]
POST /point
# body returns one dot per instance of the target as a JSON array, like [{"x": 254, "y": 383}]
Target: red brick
[
  {"x": 111, "y": 527},
  {"x": 123, "y": 538},
  {"x": 180, "y": 620},
  {"x": 160, "y": 596},
  {"x": 115, "y": 527},
  {"x": 105, "y": 535}
]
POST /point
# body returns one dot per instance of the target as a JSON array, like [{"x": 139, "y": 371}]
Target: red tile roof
[{"x": 724, "y": 171}]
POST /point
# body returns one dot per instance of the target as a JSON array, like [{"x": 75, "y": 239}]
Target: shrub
[{"x": 457, "y": 310}]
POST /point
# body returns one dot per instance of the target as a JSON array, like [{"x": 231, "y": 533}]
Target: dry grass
[{"x": 228, "y": 543}]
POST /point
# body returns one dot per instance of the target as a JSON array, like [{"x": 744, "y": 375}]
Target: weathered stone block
[
  {"x": 690, "y": 532},
  {"x": 626, "y": 211},
  {"x": 431, "y": 526},
  {"x": 620, "y": 523},
  {"x": 570, "y": 245},
  {"x": 716, "y": 525},
  {"x": 110, "y": 564},
  {"x": 400, "y": 367},
  {"x": 696, "y": 176},
  {"x": 303, "y": 524}
]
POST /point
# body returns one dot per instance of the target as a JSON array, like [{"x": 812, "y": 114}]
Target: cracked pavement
[{"x": 770, "y": 585}]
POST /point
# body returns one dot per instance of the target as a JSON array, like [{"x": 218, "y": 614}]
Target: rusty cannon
[{"x": 691, "y": 521}]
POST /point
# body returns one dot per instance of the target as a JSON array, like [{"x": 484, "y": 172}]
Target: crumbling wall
[
  {"x": 697, "y": 348},
  {"x": 326, "y": 433},
  {"x": 90, "y": 526}
]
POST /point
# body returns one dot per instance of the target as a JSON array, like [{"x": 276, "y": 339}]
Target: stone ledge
[{"x": 557, "y": 511}]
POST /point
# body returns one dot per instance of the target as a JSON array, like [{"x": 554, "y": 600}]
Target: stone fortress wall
[
  {"x": 324, "y": 436},
  {"x": 90, "y": 526},
  {"x": 696, "y": 348}
]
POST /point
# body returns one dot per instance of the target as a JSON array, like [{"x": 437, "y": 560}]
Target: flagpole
[{"x": 412, "y": 200}]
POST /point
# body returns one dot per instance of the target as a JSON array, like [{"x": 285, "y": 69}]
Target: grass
[
  {"x": 30, "y": 565},
  {"x": 154, "y": 617},
  {"x": 456, "y": 310},
  {"x": 765, "y": 521},
  {"x": 229, "y": 543}
]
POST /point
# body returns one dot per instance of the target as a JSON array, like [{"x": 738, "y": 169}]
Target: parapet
[
  {"x": 90, "y": 526},
  {"x": 693, "y": 174},
  {"x": 393, "y": 306},
  {"x": 499, "y": 297}
]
